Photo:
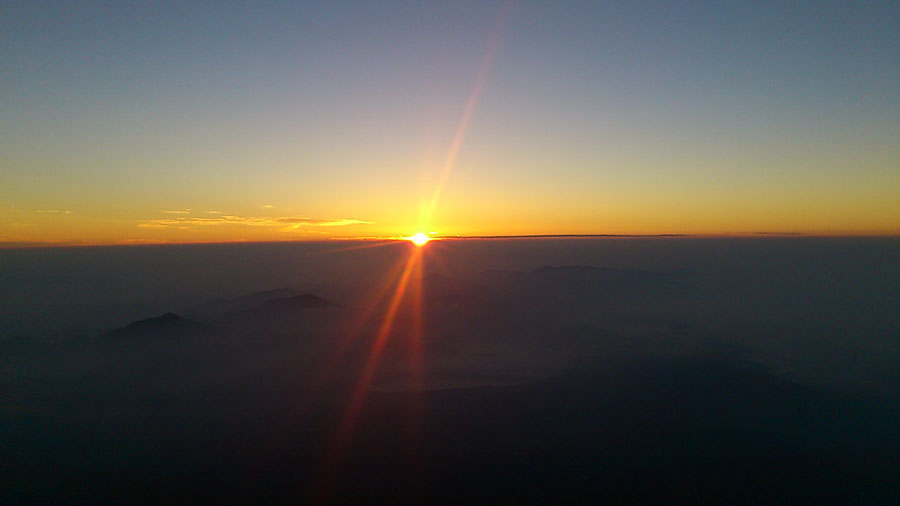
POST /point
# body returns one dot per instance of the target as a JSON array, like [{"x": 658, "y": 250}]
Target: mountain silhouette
[
  {"x": 304, "y": 301},
  {"x": 217, "y": 308},
  {"x": 167, "y": 325},
  {"x": 287, "y": 314}
]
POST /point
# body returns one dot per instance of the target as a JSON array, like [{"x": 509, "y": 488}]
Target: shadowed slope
[{"x": 167, "y": 325}]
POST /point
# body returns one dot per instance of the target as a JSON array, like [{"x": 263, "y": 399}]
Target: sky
[{"x": 133, "y": 122}]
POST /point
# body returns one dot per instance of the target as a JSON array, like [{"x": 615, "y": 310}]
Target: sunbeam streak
[
  {"x": 346, "y": 426},
  {"x": 413, "y": 269},
  {"x": 365, "y": 378},
  {"x": 469, "y": 110}
]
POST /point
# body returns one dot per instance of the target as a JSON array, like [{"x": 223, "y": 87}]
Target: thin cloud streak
[{"x": 281, "y": 222}]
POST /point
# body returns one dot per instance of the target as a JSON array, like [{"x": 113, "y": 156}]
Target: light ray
[
  {"x": 315, "y": 386},
  {"x": 348, "y": 421},
  {"x": 356, "y": 327},
  {"x": 356, "y": 400},
  {"x": 346, "y": 426},
  {"x": 413, "y": 269},
  {"x": 468, "y": 111},
  {"x": 418, "y": 329}
]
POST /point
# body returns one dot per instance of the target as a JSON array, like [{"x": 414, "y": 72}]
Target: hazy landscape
[{"x": 614, "y": 370}]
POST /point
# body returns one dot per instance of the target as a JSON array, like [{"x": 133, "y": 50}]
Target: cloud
[
  {"x": 300, "y": 222},
  {"x": 213, "y": 212},
  {"x": 268, "y": 206},
  {"x": 284, "y": 223},
  {"x": 53, "y": 211},
  {"x": 178, "y": 211}
]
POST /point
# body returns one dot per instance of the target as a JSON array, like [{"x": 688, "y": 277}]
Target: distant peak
[
  {"x": 303, "y": 300},
  {"x": 167, "y": 318},
  {"x": 308, "y": 297},
  {"x": 168, "y": 322}
]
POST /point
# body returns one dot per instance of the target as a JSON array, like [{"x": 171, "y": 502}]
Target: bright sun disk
[{"x": 419, "y": 239}]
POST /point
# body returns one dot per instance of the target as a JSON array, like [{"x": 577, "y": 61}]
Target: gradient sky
[{"x": 186, "y": 121}]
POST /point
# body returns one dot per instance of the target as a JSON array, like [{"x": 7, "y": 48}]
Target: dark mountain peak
[
  {"x": 168, "y": 319},
  {"x": 220, "y": 307},
  {"x": 166, "y": 324},
  {"x": 306, "y": 300},
  {"x": 273, "y": 314}
]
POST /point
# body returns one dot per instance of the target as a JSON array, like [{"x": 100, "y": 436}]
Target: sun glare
[{"x": 419, "y": 239}]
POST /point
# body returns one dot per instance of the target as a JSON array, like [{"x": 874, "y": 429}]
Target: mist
[{"x": 628, "y": 370}]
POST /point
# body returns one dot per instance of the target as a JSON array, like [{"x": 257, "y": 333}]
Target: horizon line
[{"x": 9, "y": 245}]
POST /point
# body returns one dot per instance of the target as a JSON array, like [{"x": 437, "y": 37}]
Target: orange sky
[{"x": 356, "y": 121}]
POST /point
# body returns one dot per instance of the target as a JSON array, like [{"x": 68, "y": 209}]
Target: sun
[{"x": 419, "y": 239}]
